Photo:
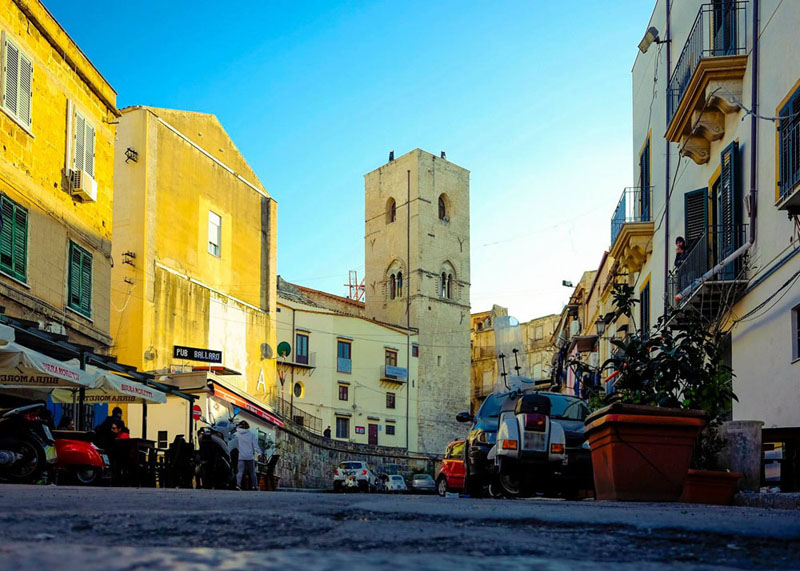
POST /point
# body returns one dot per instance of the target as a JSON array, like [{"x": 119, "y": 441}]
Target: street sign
[
  {"x": 196, "y": 354},
  {"x": 197, "y": 412}
]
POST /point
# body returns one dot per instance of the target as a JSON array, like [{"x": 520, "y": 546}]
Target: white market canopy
[
  {"x": 106, "y": 387},
  {"x": 21, "y": 367}
]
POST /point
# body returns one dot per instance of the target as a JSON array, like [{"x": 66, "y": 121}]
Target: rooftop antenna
[
  {"x": 356, "y": 289},
  {"x": 391, "y": 156}
]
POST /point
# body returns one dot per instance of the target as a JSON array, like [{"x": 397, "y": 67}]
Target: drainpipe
[
  {"x": 753, "y": 170},
  {"x": 666, "y": 171},
  {"x": 408, "y": 300}
]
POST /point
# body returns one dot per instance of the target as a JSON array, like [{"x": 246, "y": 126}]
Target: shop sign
[
  {"x": 359, "y": 430},
  {"x": 196, "y": 354}
]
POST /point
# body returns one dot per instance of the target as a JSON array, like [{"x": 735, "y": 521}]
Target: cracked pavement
[{"x": 127, "y": 528}]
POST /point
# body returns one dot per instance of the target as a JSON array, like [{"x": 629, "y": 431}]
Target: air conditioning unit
[
  {"x": 82, "y": 184},
  {"x": 594, "y": 359},
  {"x": 574, "y": 328}
]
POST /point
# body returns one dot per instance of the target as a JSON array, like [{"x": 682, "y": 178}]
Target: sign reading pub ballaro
[{"x": 196, "y": 354}]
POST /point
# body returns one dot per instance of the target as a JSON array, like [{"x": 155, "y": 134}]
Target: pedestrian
[
  {"x": 248, "y": 450},
  {"x": 327, "y": 432},
  {"x": 66, "y": 423},
  {"x": 680, "y": 251},
  {"x": 104, "y": 436}
]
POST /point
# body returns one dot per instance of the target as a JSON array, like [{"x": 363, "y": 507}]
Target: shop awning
[
  {"x": 110, "y": 388},
  {"x": 24, "y": 367},
  {"x": 245, "y": 404}
]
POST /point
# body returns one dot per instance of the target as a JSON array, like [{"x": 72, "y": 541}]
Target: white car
[
  {"x": 354, "y": 475},
  {"x": 396, "y": 483}
]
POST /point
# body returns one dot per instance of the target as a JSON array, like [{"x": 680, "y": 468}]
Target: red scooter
[{"x": 79, "y": 459}]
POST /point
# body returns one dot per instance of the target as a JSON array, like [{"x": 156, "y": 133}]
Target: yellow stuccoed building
[
  {"x": 57, "y": 129},
  {"x": 195, "y": 253}
]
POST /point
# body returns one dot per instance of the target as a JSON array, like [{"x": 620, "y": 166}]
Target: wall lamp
[{"x": 650, "y": 37}]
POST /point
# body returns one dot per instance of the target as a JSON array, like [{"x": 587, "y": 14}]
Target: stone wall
[{"x": 308, "y": 460}]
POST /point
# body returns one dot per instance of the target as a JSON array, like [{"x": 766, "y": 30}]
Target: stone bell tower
[{"x": 417, "y": 274}]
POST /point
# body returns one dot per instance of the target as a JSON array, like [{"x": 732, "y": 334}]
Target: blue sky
[{"x": 533, "y": 97}]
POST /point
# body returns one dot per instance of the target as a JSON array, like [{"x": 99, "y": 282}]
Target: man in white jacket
[{"x": 248, "y": 449}]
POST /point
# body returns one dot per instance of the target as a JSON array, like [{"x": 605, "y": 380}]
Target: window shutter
[
  {"x": 789, "y": 134},
  {"x": 80, "y": 142},
  {"x": 75, "y": 277},
  {"x": 11, "y": 93},
  {"x": 86, "y": 283},
  {"x": 20, "y": 252},
  {"x": 89, "y": 160},
  {"x": 7, "y": 236},
  {"x": 25, "y": 90},
  {"x": 696, "y": 215},
  {"x": 728, "y": 205}
]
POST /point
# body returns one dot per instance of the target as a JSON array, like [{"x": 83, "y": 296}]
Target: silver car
[{"x": 423, "y": 484}]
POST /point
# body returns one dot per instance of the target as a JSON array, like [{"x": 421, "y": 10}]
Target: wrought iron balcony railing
[
  {"x": 716, "y": 243},
  {"x": 635, "y": 205},
  {"x": 719, "y": 30}
]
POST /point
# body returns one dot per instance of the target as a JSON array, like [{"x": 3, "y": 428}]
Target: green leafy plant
[{"x": 679, "y": 363}]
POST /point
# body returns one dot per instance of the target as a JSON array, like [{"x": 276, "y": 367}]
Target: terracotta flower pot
[
  {"x": 710, "y": 487},
  {"x": 641, "y": 453}
]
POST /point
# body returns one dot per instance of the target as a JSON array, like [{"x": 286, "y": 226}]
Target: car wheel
[
  {"x": 441, "y": 486},
  {"x": 86, "y": 475}
]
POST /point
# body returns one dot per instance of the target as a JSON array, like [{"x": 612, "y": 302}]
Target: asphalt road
[{"x": 48, "y": 527}]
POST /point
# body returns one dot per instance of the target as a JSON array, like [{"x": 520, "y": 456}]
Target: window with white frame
[
  {"x": 214, "y": 234},
  {"x": 83, "y": 139},
  {"x": 17, "y": 83}
]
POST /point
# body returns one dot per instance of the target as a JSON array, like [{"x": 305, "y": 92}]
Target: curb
[{"x": 789, "y": 501}]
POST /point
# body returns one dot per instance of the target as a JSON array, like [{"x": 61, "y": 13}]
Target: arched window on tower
[
  {"x": 443, "y": 286},
  {"x": 399, "y": 284},
  {"x": 449, "y": 286},
  {"x": 392, "y": 287},
  {"x": 391, "y": 211},
  {"x": 442, "y": 209}
]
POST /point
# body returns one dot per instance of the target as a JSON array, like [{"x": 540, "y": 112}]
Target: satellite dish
[
  {"x": 284, "y": 349},
  {"x": 266, "y": 351}
]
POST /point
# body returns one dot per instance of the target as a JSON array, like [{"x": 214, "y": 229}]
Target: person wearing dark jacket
[{"x": 680, "y": 251}]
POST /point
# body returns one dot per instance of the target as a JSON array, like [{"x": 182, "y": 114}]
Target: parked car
[
  {"x": 423, "y": 484},
  {"x": 396, "y": 483},
  {"x": 451, "y": 476},
  {"x": 354, "y": 475},
  {"x": 568, "y": 477}
]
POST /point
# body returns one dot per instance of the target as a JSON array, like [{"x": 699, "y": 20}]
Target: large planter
[
  {"x": 710, "y": 487},
  {"x": 641, "y": 453}
]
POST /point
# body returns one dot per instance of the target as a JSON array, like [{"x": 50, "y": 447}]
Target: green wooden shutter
[
  {"x": 729, "y": 214},
  {"x": 696, "y": 215},
  {"x": 86, "y": 283},
  {"x": 7, "y": 236},
  {"x": 80, "y": 280},
  {"x": 14, "y": 240},
  {"x": 20, "y": 251}
]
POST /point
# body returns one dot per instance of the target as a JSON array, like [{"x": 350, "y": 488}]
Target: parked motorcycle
[
  {"x": 27, "y": 447},
  {"x": 79, "y": 460},
  {"x": 218, "y": 455}
]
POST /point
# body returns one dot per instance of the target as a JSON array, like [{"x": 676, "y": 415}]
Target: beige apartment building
[
  {"x": 725, "y": 115},
  {"x": 341, "y": 370}
]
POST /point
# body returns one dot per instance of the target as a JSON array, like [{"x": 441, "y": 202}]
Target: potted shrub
[{"x": 664, "y": 383}]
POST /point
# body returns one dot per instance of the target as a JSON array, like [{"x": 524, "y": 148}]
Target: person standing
[
  {"x": 248, "y": 449},
  {"x": 327, "y": 432}
]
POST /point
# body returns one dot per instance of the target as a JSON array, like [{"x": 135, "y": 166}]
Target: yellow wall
[
  {"x": 174, "y": 292},
  {"x": 33, "y": 174},
  {"x": 367, "y": 392}
]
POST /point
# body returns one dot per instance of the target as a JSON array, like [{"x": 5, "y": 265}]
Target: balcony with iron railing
[
  {"x": 706, "y": 83},
  {"x": 686, "y": 286},
  {"x": 632, "y": 227}
]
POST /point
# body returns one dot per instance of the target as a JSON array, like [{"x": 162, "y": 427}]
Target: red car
[{"x": 451, "y": 476}]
